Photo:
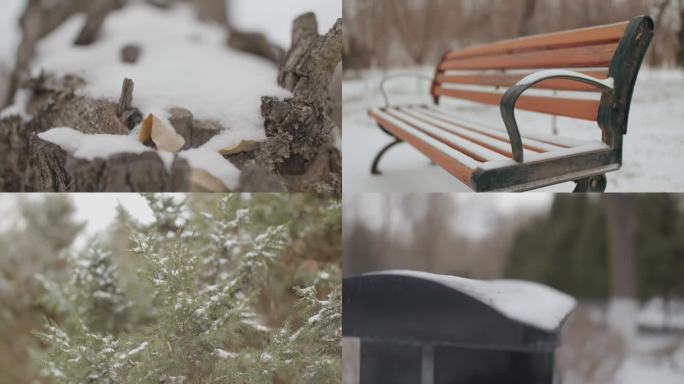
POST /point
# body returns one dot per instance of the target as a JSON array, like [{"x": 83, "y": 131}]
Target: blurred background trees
[
  {"x": 563, "y": 242},
  {"x": 240, "y": 286},
  {"x": 387, "y": 33}
]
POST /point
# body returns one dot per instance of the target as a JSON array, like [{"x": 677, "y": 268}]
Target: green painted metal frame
[{"x": 588, "y": 169}]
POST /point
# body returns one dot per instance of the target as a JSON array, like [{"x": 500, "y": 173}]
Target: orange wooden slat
[
  {"x": 577, "y": 108},
  {"x": 585, "y": 36},
  {"x": 469, "y": 147},
  {"x": 450, "y": 164},
  {"x": 509, "y": 80},
  {"x": 498, "y": 135},
  {"x": 592, "y": 56},
  {"x": 499, "y": 146}
]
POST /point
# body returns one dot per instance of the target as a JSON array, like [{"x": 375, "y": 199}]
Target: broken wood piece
[
  {"x": 203, "y": 131},
  {"x": 126, "y": 97},
  {"x": 203, "y": 181},
  {"x": 162, "y": 134},
  {"x": 97, "y": 13},
  {"x": 181, "y": 120},
  {"x": 311, "y": 61},
  {"x": 255, "y": 43},
  {"x": 243, "y": 146}
]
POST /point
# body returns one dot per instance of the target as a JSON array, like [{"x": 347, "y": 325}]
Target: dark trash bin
[{"x": 420, "y": 328}]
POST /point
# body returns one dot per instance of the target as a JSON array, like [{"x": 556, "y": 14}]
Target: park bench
[
  {"x": 419, "y": 328},
  {"x": 604, "y": 59}
]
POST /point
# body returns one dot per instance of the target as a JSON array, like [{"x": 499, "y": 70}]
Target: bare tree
[
  {"x": 622, "y": 222},
  {"x": 526, "y": 20}
]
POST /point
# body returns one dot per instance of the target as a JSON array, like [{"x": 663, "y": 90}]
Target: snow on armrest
[{"x": 511, "y": 96}]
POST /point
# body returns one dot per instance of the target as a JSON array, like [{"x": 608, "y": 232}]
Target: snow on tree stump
[
  {"x": 415, "y": 327},
  {"x": 298, "y": 152}
]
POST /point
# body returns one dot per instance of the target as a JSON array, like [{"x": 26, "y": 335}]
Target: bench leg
[
  {"x": 592, "y": 184},
  {"x": 376, "y": 161}
]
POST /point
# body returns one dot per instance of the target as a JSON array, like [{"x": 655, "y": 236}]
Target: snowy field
[{"x": 653, "y": 149}]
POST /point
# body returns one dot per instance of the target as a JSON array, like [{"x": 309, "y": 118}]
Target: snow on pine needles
[{"x": 206, "y": 272}]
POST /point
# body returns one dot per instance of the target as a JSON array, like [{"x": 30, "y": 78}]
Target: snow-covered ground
[
  {"x": 183, "y": 63},
  {"x": 653, "y": 149}
]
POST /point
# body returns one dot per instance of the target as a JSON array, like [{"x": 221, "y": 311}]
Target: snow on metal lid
[{"x": 527, "y": 302}]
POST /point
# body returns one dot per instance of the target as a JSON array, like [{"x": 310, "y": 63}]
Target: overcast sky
[
  {"x": 275, "y": 17},
  {"x": 472, "y": 217}
]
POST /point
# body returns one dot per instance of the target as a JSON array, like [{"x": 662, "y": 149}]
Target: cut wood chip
[
  {"x": 162, "y": 134},
  {"x": 244, "y": 146},
  {"x": 203, "y": 181}
]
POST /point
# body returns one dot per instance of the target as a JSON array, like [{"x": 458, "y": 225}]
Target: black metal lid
[{"x": 409, "y": 307}]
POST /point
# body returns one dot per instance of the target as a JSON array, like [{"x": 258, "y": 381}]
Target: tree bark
[
  {"x": 621, "y": 221},
  {"x": 299, "y": 129},
  {"x": 528, "y": 12}
]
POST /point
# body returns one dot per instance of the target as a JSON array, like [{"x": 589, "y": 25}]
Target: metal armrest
[
  {"x": 398, "y": 75},
  {"x": 511, "y": 97}
]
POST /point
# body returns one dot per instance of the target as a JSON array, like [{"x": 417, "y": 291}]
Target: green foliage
[
  {"x": 240, "y": 289},
  {"x": 568, "y": 248},
  {"x": 40, "y": 230}
]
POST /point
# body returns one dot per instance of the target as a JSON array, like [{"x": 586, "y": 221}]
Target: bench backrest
[{"x": 614, "y": 50}]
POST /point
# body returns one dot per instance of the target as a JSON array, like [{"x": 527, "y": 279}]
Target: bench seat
[
  {"x": 479, "y": 154},
  {"x": 603, "y": 60}
]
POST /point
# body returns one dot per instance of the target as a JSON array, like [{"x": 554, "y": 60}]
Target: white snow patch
[
  {"x": 225, "y": 354},
  {"x": 658, "y": 313},
  {"x": 10, "y": 32},
  {"x": 266, "y": 357},
  {"x": 531, "y": 303},
  {"x": 638, "y": 370},
  {"x": 183, "y": 62},
  {"x": 167, "y": 158},
  {"x": 134, "y": 351},
  {"x": 214, "y": 163},
  {"x": 90, "y": 147},
  {"x": 554, "y": 73},
  {"x": 18, "y": 107},
  {"x": 231, "y": 138}
]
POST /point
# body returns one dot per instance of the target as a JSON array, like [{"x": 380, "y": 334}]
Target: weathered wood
[
  {"x": 256, "y": 178},
  {"x": 91, "y": 29},
  {"x": 311, "y": 61},
  {"x": 126, "y": 97},
  {"x": 51, "y": 169},
  {"x": 62, "y": 108},
  {"x": 14, "y": 145},
  {"x": 128, "y": 172},
  {"x": 45, "y": 171},
  {"x": 181, "y": 119},
  {"x": 297, "y": 129},
  {"x": 255, "y": 43},
  {"x": 212, "y": 10}
]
